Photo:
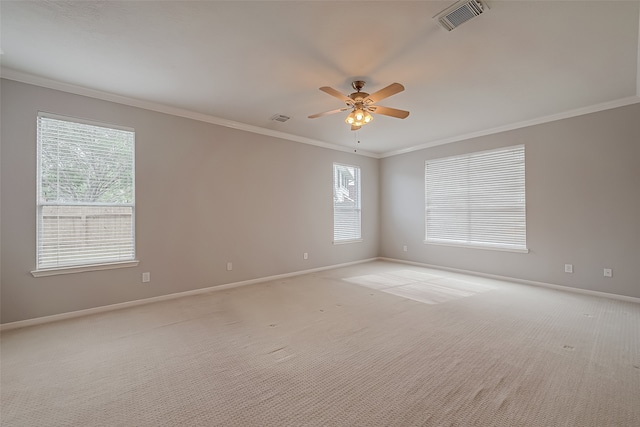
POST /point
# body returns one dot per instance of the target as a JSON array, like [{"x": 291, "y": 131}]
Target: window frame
[
  {"x": 358, "y": 209},
  {"x": 40, "y": 204},
  {"x": 506, "y": 247}
]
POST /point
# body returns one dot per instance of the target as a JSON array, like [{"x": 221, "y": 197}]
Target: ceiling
[{"x": 239, "y": 63}]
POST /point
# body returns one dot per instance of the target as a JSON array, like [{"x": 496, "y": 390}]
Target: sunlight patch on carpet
[{"x": 419, "y": 286}]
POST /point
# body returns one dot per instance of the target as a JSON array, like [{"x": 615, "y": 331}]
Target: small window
[
  {"x": 346, "y": 203},
  {"x": 85, "y": 193},
  {"x": 477, "y": 199}
]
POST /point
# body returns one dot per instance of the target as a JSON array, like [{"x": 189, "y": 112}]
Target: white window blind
[
  {"x": 477, "y": 199},
  {"x": 85, "y": 193},
  {"x": 346, "y": 203}
]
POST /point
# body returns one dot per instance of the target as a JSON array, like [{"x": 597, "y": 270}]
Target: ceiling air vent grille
[
  {"x": 460, "y": 13},
  {"x": 280, "y": 118}
]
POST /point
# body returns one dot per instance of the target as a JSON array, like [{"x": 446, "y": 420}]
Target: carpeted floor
[{"x": 376, "y": 344}]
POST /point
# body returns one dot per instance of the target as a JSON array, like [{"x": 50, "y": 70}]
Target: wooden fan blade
[
  {"x": 386, "y": 111},
  {"x": 386, "y": 92},
  {"x": 355, "y": 127},
  {"x": 331, "y": 91},
  {"x": 326, "y": 113}
]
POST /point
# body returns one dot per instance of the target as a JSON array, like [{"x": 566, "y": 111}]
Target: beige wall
[
  {"x": 205, "y": 195},
  {"x": 583, "y": 204}
]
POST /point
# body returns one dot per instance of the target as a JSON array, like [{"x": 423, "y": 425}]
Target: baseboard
[
  {"x": 111, "y": 307},
  {"x": 516, "y": 280}
]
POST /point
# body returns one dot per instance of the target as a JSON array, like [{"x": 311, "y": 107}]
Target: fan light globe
[
  {"x": 359, "y": 115},
  {"x": 350, "y": 119},
  {"x": 368, "y": 117}
]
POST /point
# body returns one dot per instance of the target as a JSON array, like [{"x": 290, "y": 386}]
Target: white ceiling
[{"x": 240, "y": 62}]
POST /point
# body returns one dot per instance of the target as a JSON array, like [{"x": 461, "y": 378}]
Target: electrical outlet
[
  {"x": 608, "y": 272},
  {"x": 404, "y": 248},
  {"x": 305, "y": 256},
  {"x": 146, "y": 277},
  {"x": 229, "y": 266},
  {"x": 568, "y": 268}
]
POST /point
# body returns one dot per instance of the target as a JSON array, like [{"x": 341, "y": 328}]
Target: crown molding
[
  {"x": 518, "y": 125},
  {"x": 19, "y": 76}
]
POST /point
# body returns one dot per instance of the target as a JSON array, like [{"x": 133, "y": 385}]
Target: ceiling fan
[{"x": 362, "y": 105}]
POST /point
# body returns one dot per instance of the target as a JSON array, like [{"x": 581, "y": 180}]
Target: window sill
[
  {"x": 344, "y": 242},
  {"x": 82, "y": 268},
  {"x": 487, "y": 247}
]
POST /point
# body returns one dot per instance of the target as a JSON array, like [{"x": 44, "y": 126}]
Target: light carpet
[{"x": 376, "y": 344}]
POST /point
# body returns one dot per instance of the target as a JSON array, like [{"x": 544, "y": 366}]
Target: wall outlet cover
[{"x": 568, "y": 268}]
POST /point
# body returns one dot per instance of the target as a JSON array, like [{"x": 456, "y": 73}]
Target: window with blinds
[
  {"x": 477, "y": 199},
  {"x": 346, "y": 204},
  {"x": 85, "y": 193}
]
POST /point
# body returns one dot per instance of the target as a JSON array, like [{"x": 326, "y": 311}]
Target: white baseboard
[
  {"x": 111, "y": 307},
  {"x": 516, "y": 280}
]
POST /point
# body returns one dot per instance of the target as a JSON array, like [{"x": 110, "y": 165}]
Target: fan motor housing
[{"x": 358, "y": 96}]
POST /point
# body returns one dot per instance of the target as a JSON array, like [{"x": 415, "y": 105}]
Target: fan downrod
[{"x": 358, "y": 85}]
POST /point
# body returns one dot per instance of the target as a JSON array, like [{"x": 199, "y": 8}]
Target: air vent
[
  {"x": 280, "y": 118},
  {"x": 460, "y": 13}
]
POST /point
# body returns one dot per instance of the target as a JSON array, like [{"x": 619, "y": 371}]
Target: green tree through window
[{"x": 86, "y": 193}]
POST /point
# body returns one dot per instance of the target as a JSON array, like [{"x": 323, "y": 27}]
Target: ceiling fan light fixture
[
  {"x": 362, "y": 105},
  {"x": 358, "y": 117}
]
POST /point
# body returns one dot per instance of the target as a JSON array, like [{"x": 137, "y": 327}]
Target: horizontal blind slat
[
  {"x": 346, "y": 203},
  {"x": 86, "y": 188},
  {"x": 477, "y": 198}
]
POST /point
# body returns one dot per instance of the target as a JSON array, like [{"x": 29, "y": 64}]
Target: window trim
[
  {"x": 79, "y": 268},
  {"x": 44, "y": 272},
  {"x": 486, "y": 246}
]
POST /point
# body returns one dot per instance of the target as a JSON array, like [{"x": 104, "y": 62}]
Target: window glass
[
  {"x": 85, "y": 193},
  {"x": 477, "y": 199},
  {"x": 346, "y": 203}
]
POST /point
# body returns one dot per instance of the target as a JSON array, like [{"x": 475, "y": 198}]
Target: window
[
  {"x": 85, "y": 193},
  {"x": 477, "y": 199},
  {"x": 346, "y": 203}
]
